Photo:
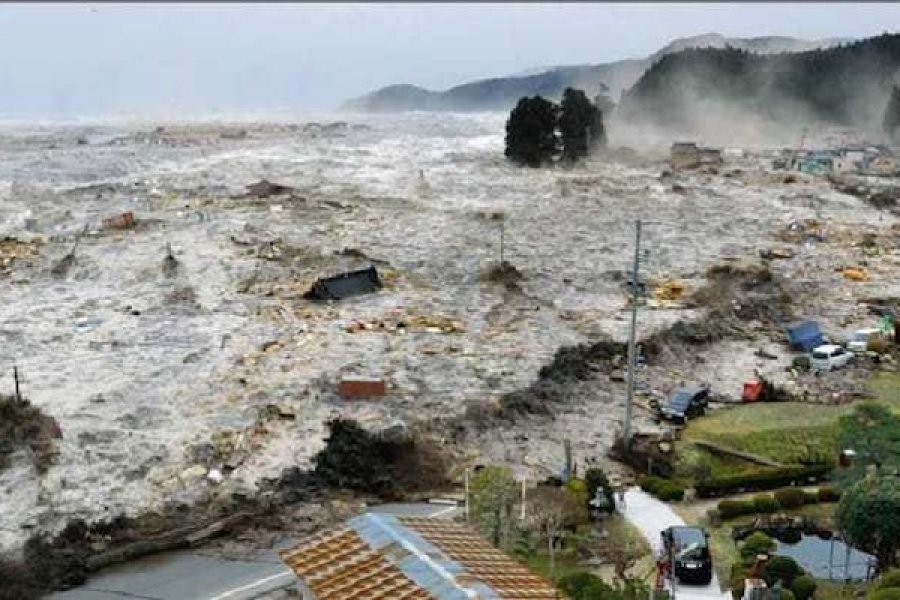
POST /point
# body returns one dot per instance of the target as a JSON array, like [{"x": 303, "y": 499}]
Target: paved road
[
  {"x": 194, "y": 575},
  {"x": 651, "y": 517}
]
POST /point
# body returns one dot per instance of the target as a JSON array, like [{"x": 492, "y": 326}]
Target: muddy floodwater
[{"x": 176, "y": 383}]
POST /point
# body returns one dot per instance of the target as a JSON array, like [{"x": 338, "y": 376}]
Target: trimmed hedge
[
  {"x": 804, "y": 587},
  {"x": 828, "y": 494},
  {"x": 784, "y": 568},
  {"x": 729, "y": 509},
  {"x": 664, "y": 489},
  {"x": 764, "y": 503},
  {"x": 790, "y": 498},
  {"x": 762, "y": 480}
]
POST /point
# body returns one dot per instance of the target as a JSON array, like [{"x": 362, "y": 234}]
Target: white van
[{"x": 828, "y": 357}]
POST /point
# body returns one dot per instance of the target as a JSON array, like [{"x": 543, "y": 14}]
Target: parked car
[
  {"x": 829, "y": 357},
  {"x": 859, "y": 341},
  {"x": 684, "y": 403},
  {"x": 688, "y": 549}
]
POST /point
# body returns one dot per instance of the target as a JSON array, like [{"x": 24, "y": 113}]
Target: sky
[{"x": 69, "y": 60}]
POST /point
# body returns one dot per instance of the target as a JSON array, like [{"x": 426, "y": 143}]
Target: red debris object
[
  {"x": 124, "y": 221},
  {"x": 752, "y": 391},
  {"x": 351, "y": 389}
]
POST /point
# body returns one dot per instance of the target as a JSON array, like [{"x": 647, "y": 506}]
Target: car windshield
[
  {"x": 688, "y": 542},
  {"x": 819, "y": 354},
  {"x": 681, "y": 399}
]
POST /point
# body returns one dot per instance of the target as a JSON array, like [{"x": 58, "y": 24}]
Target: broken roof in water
[
  {"x": 387, "y": 557},
  {"x": 345, "y": 285}
]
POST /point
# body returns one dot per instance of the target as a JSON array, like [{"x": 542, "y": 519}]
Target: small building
[
  {"x": 881, "y": 165},
  {"x": 816, "y": 164},
  {"x": 385, "y": 556},
  {"x": 688, "y": 155}
]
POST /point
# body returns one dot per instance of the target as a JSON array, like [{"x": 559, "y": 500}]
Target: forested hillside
[{"x": 847, "y": 85}]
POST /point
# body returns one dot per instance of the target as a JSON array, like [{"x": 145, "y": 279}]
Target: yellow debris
[
  {"x": 669, "y": 291},
  {"x": 856, "y": 274}
]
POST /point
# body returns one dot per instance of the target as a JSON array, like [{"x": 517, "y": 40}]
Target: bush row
[
  {"x": 785, "y": 498},
  {"x": 761, "y": 480},
  {"x": 664, "y": 489}
]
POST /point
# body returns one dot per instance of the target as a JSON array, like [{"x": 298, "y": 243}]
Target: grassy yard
[{"x": 787, "y": 432}]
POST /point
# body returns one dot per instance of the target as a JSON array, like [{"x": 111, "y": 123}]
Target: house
[
  {"x": 688, "y": 155},
  {"x": 382, "y": 556},
  {"x": 816, "y": 163},
  {"x": 880, "y": 165}
]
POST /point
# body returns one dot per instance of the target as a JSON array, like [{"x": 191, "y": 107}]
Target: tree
[
  {"x": 581, "y": 125},
  {"x": 531, "y": 132},
  {"x": 872, "y": 431},
  {"x": 491, "y": 497},
  {"x": 755, "y": 544},
  {"x": 548, "y": 510},
  {"x": 892, "y": 112},
  {"x": 869, "y": 516},
  {"x": 596, "y": 479}
]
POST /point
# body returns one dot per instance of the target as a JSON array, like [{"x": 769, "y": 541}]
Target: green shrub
[
  {"x": 884, "y": 594},
  {"x": 788, "y": 498},
  {"x": 782, "y": 568},
  {"x": 764, "y": 503},
  {"x": 577, "y": 490},
  {"x": 714, "y": 517},
  {"x": 595, "y": 479},
  {"x": 584, "y": 586},
  {"x": 889, "y": 579},
  {"x": 828, "y": 493},
  {"x": 786, "y": 594},
  {"x": 664, "y": 489},
  {"x": 757, "y": 543},
  {"x": 804, "y": 587},
  {"x": 810, "y": 497},
  {"x": 736, "y": 580},
  {"x": 760, "y": 480},
  {"x": 730, "y": 509}
]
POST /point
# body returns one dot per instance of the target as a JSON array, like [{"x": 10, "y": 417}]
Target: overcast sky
[{"x": 66, "y": 60}]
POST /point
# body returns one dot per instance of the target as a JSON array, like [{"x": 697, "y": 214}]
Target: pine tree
[
  {"x": 581, "y": 125},
  {"x": 531, "y": 132}
]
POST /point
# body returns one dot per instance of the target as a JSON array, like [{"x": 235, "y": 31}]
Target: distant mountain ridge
[
  {"x": 613, "y": 78},
  {"x": 846, "y": 85}
]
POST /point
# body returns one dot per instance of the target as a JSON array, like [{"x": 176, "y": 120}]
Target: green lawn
[{"x": 787, "y": 432}]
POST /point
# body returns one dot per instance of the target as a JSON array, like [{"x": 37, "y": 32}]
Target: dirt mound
[
  {"x": 25, "y": 426},
  {"x": 504, "y": 273},
  {"x": 570, "y": 365}
]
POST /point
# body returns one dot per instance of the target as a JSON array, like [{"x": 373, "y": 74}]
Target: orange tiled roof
[{"x": 376, "y": 557}]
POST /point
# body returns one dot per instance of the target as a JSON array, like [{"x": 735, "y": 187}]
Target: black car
[
  {"x": 688, "y": 549},
  {"x": 684, "y": 403}
]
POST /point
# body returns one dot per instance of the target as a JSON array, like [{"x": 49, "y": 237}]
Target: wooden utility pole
[
  {"x": 635, "y": 291},
  {"x": 16, "y": 379},
  {"x": 502, "y": 239}
]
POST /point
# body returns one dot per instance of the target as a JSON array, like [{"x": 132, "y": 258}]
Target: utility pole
[
  {"x": 16, "y": 379},
  {"x": 502, "y": 238},
  {"x": 635, "y": 292},
  {"x": 466, "y": 499}
]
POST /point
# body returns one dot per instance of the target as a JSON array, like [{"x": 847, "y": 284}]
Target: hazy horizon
[{"x": 146, "y": 60}]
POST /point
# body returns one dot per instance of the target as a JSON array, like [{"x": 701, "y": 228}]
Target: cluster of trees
[
  {"x": 847, "y": 85},
  {"x": 539, "y": 131},
  {"x": 796, "y": 584},
  {"x": 869, "y": 510},
  {"x": 553, "y": 513}
]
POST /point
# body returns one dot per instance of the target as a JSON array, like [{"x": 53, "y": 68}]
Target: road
[
  {"x": 196, "y": 575},
  {"x": 651, "y": 517}
]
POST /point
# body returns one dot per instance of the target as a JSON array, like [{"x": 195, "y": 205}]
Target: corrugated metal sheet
[{"x": 382, "y": 556}]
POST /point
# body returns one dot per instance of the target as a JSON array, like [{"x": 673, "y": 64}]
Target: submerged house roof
[
  {"x": 346, "y": 284},
  {"x": 380, "y": 556}
]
